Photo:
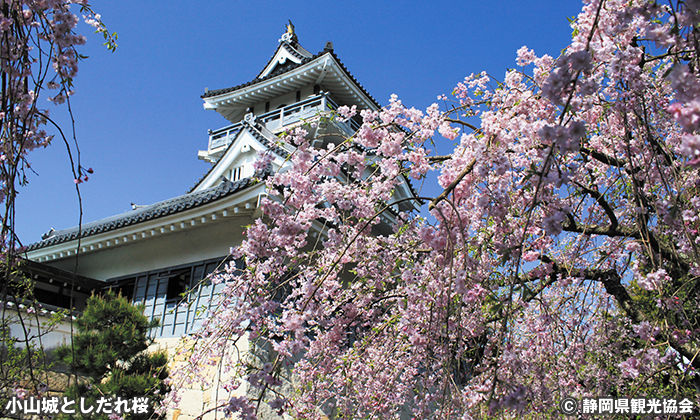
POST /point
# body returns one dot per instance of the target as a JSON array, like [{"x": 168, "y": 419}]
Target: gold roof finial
[{"x": 289, "y": 35}]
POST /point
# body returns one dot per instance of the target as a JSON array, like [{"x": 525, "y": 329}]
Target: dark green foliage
[{"x": 109, "y": 348}]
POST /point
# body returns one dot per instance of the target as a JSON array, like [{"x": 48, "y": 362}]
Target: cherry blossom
[
  {"x": 39, "y": 62},
  {"x": 560, "y": 259}
]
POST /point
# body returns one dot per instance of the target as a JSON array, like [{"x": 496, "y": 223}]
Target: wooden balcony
[{"x": 310, "y": 109}]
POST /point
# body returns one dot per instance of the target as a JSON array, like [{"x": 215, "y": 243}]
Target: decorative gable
[
  {"x": 288, "y": 54},
  {"x": 285, "y": 57},
  {"x": 236, "y": 161}
]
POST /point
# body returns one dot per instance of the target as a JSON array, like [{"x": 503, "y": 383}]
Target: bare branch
[
  {"x": 441, "y": 158},
  {"x": 602, "y": 157},
  {"x": 600, "y": 199},
  {"x": 464, "y": 123},
  {"x": 448, "y": 190}
]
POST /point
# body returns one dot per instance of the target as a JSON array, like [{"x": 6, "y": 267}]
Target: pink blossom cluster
[
  {"x": 560, "y": 259},
  {"x": 38, "y": 52}
]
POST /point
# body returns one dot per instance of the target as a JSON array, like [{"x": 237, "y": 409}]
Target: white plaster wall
[
  {"x": 207, "y": 241},
  {"x": 49, "y": 338}
]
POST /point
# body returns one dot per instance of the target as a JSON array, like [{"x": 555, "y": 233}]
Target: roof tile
[{"x": 151, "y": 212}]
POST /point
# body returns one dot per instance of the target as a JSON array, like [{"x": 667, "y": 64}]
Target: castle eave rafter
[
  {"x": 323, "y": 70},
  {"x": 243, "y": 204},
  {"x": 266, "y": 89},
  {"x": 188, "y": 210}
]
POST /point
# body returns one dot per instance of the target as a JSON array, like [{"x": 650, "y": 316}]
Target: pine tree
[{"x": 110, "y": 351}]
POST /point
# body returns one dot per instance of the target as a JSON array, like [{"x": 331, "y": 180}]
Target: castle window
[
  {"x": 236, "y": 174},
  {"x": 161, "y": 290},
  {"x": 177, "y": 285}
]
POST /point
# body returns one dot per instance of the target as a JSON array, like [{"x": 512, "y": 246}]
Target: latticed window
[
  {"x": 180, "y": 297},
  {"x": 236, "y": 173}
]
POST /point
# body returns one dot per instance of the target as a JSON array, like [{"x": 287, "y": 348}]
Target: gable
[
  {"x": 237, "y": 160},
  {"x": 324, "y": 70},
  {"x": 285, "y": 56}
]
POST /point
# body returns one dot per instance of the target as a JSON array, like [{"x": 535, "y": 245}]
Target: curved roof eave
[
  {"x": 306, "y": 63},
  {"x": 291, "y": 50},
  {"x": 154, "y": 211},
  {"x": 279, "y": 151}
]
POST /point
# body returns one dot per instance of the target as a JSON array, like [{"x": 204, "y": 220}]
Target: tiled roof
[
  {"x": 258, "y": 135},
  {"x": 279, "y": 151},
  {"x": 285, "y": 69},
  {"x": 146, "y": 213},
  {"x": 345, "y": 69},
  {"x": 279, "y": 71},
  {"x": 290, "y": 49}
]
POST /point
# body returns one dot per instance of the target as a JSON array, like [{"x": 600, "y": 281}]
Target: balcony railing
[
  {"x": 282, "y": 117},
  {"x": 223, "y": 136}
]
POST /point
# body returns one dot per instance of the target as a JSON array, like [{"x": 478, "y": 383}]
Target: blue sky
[{"x": 138, "y": 111}]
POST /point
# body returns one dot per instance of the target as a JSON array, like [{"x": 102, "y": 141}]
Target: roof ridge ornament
[
  {"x": 50, "y": 233},
  {"x": 289, "y": 36},
  {"x": 250, "y": 119}
]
